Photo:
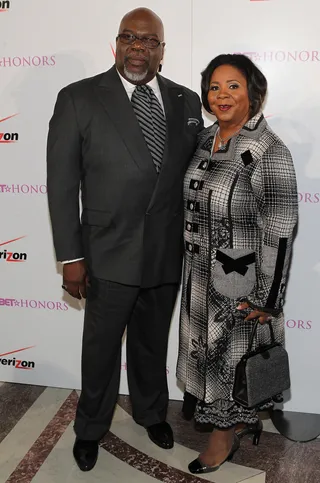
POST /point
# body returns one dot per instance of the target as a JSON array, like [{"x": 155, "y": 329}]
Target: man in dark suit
[{"x": 125, "y": 137}]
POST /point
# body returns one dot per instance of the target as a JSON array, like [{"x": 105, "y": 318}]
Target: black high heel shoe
[
  {"x": 197, "y": 468},
  {"x": 254, "y": 429}
]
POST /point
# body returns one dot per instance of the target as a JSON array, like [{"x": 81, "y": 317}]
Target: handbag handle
[{"x": 253, "y": 333}]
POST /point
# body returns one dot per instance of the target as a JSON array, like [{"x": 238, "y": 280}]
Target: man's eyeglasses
[{"x": 149, "y": 42}]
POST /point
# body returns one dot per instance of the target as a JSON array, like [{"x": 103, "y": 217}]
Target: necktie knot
[{"x": 143, "y": 90}]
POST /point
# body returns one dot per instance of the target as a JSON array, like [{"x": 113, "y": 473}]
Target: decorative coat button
[
  {"x": 205, "y": 165},
  {"x": 188, "y": 227},
  {"x": 191, "y": 206},
  {"x": 190, "y": 247},
  {"x": 196, "y": 184}
]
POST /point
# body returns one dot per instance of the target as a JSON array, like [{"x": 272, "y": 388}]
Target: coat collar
[
  {"x": 254, "y": 127},
  {"x": 252, "y": 130}
]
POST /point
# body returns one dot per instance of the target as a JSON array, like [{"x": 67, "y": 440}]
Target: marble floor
[{"x": 36, "y": 439}]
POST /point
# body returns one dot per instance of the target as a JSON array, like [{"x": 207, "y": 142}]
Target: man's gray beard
[{"x": 135, "y": 77}]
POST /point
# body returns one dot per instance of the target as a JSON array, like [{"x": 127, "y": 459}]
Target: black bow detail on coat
[{"x": 238, "y": 265}]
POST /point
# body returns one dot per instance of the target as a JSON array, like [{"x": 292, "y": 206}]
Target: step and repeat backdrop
[{"x": 47, "y": 44}]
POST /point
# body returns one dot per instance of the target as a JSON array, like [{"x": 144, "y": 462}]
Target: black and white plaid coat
[{"x": 241, "y": 208}]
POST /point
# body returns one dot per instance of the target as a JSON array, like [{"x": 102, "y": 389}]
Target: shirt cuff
[{"x": 71, "y": 261}]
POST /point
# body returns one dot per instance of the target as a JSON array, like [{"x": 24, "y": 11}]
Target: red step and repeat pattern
[{"x": 45, "y": 45}]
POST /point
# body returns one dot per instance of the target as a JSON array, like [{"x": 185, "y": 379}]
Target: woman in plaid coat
[{"x": 241, "y": 208}]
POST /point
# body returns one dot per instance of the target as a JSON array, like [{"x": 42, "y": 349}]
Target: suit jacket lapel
[
  {"x": 174, "y": 109},
  {"x": 115, "y": 101},
  {"x": 173, "y": 101}
]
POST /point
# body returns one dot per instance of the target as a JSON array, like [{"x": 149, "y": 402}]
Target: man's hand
[
  {"x": 75, "y": 279},
  {"x": 263, "y": 316}
]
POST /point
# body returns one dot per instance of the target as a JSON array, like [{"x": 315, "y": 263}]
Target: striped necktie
[{"x": 152, "y": 122}]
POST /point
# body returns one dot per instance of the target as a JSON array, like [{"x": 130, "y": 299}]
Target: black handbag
[{"x": 261, "y": 374}]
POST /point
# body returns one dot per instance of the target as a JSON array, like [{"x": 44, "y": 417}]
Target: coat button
[
  {"x": 205, "y": 165},
  {"x": 196, "y": 184},
  {"x": 188, "y": 227},
  {"x": 191, "y": 206}
]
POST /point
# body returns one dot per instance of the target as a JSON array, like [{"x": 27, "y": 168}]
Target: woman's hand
[{"x": 263, "y": 316}]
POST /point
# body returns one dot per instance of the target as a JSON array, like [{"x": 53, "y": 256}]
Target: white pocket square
[{"x": 193, "y": 120}]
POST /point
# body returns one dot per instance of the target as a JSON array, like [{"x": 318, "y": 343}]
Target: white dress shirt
[{"x": 129, "y": 88}]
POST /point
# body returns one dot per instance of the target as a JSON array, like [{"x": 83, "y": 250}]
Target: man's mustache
[{"x": 136, "y": 57}]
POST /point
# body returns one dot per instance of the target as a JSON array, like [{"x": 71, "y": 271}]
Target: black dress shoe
[
  {"x": 197, "y": 467},
  {"x": 161, "y": 434},
  {"x": 85, "y": 453}
]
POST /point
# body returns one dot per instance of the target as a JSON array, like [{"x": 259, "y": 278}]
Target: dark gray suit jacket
[{"x": 130, "y": 229}]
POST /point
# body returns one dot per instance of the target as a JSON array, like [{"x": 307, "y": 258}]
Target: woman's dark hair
[{"x": 256, "y": 81}]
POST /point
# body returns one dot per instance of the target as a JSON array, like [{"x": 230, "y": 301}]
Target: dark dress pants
[{"x": 110, "y": 308}]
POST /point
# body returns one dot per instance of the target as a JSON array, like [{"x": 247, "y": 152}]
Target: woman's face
[{"x": 228, "y": 95}]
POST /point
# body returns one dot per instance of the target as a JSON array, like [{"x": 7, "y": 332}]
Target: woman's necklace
[{"x": 223, "y": 141}]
